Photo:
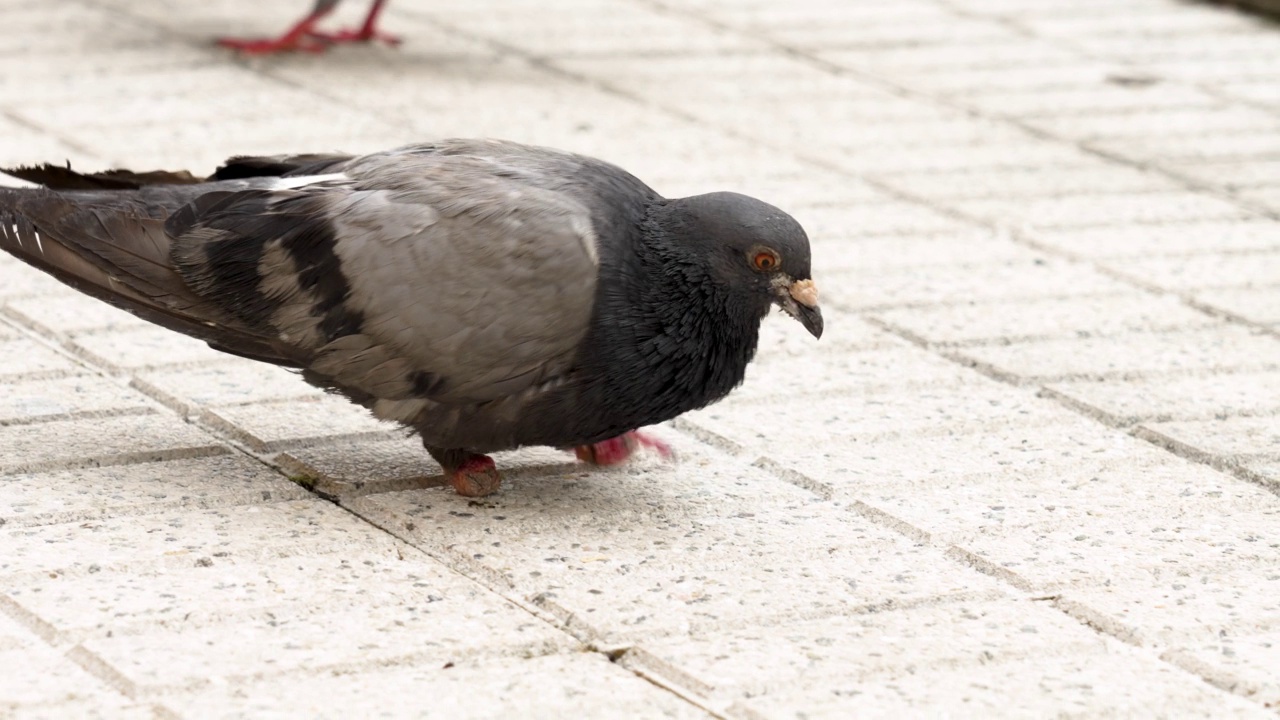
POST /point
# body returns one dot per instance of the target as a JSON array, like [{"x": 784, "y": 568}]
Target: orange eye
[{"x": 765, "y": 260}]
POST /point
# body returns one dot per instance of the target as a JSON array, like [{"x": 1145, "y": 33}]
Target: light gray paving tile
[
  {"x": 650, "y": 551},
  {"x": 1260, "y": 305},
  {"x": 1087, "y": 316},
  {"x": 101, "y": 441},
  {"x": 1211, "y": 270},
  {"x": 271, "y": 426},
  {"x": 93, "y": 493},
  {"x": 1172, "y": 239},
  {"x": 79, "y": 395},
  {"x": 560, "y": 685},
  {"x": 1218, "y": 348},
  {"x": 1160, "y": 399}
]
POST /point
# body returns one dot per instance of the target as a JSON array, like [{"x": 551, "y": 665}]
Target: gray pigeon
[
  {"x": 304, "y": 35},
  {"x": 486, "y": 294}
]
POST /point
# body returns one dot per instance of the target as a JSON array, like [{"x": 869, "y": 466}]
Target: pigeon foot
[
  {"x": 477, "y": 476},
  {"x": 615, "y": 451}
]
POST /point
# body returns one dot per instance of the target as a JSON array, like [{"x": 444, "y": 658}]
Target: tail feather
[{"x": 111, "y": 244}]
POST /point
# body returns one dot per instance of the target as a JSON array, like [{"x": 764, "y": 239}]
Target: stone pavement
[{"x": 1032, "y": 469}]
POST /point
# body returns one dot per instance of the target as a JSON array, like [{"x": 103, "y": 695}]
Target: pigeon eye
[{"x": 764, "y": 260}]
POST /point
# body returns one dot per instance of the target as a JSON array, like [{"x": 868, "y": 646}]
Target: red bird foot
[
  {"x": 617, "y": 450},
  {"x": 304, "y": 37},
  {"x": 476, "y": 477}
]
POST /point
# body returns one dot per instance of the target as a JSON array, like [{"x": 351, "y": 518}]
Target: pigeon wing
[{"x": 402, "y": 275}]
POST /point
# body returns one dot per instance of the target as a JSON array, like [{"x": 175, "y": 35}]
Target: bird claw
[
  {"x": 615, "y": 451},
  {"x": 476, "y": 477}
]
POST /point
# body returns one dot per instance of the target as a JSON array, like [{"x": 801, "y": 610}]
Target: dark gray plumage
[{"x": 487, "y": 294}]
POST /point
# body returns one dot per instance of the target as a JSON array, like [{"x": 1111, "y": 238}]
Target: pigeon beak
[
  {"x": 799, "y": 299},
  {"x": 810, "y": 318}
]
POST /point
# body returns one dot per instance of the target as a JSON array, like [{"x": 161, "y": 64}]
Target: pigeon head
[{"x": 755, "y": 250}]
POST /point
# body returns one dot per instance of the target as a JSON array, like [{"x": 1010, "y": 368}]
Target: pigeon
[
  {"x": 486, "y": 294},
  {"x": 303, "y": 35}
]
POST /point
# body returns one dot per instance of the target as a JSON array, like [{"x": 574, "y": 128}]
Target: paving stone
[
  {"x": 101, "y": 441},
  {"x": 70, "y": 313},
  {"x": 1202, "y": 147},
  {"x": 1256, "y": 90},
  {"x": 1220, "y": 348},
  {"x": 966, "y": 283},
  {"x": 789, "y": 376},
  {"x": 1268, "y": 198},
  {"x": 765, "y": 660},
  {"x": 142, "y": 349},
  {"x": 93, "y": 493},
  {"x": 1090, "y": 99},
  {"x": 470, "y": 623},
  {"x": 623, "y": 570},
  {"x": 1167, "y": 121},
  {"x": 1179, "y": 238},
  {"x": 898, "y": 251},
  {"x": 598, "y": 28},
  {"x": 1012, "y": 78},
  {"x": 179, "y": 538},
  {"x": 953, "y": 55},
  {"x": 1201, "y": 45},
  {"x": 1259, "y": 305},
  {"x": 818, "y": 34},
  {"x": 271, "y": 426},
  {"x": 1108, "y": 541},
  {"x": 1204, "y": 271},
  {"x": 1160, "y": 399},
  {"x": 872, "y": 160},
  {"x": 37, "y": 675},
  {"x": 1248, "y": 662},
  {"x": 1112, "y": 209},
  {"x": 1089, "y": 316},
  {"x": 109, "y": 708},
  {"x": 228, "y": 383},
  {"x": 561, "y": 685},
  {"x": 890, "y": 218},
  {"x": 1023, "y": 480},
  {"x": 1231, "y": 174},
  {"x": 1175, "y": 607},
  {"x": 24, "y": 357},
  {"x": 1028, "y": 182},
  {"x": 81, "y": 395},
  {"x": 884, "y": 663},
  {"x": 1171, "y": 20},
  {"x": 1227, "y": 437},
  {"x": 768, "y": 425},
  {"x": 1117, "y": 681},
  {"x": 21, "y": 281}
]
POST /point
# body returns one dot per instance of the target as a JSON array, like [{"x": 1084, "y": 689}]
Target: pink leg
[
  {"x": 616, "y": 450},
  {"x": 476, "y": 477},
  {"x": 367, "y": 31},
  {"x": 298, "y": 37}
]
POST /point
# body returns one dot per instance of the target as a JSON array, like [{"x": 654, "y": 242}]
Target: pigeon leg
[
  {"x": 616, "y": 450},
  {"x": 470, "y": 474},
  {"x": 366, "y": 32},
  {"x": 299, "y": 37}
]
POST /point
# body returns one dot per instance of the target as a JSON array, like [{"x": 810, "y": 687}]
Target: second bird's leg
[
  {"x": 470, "y": 474},
  {"x": 616, "y": 450},
  {"x": 367, "y": 31},
  {"x": 301, "y": 36}
]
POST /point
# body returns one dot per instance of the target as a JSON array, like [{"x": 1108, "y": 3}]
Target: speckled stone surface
[{"x": 1031, "y": 470}]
